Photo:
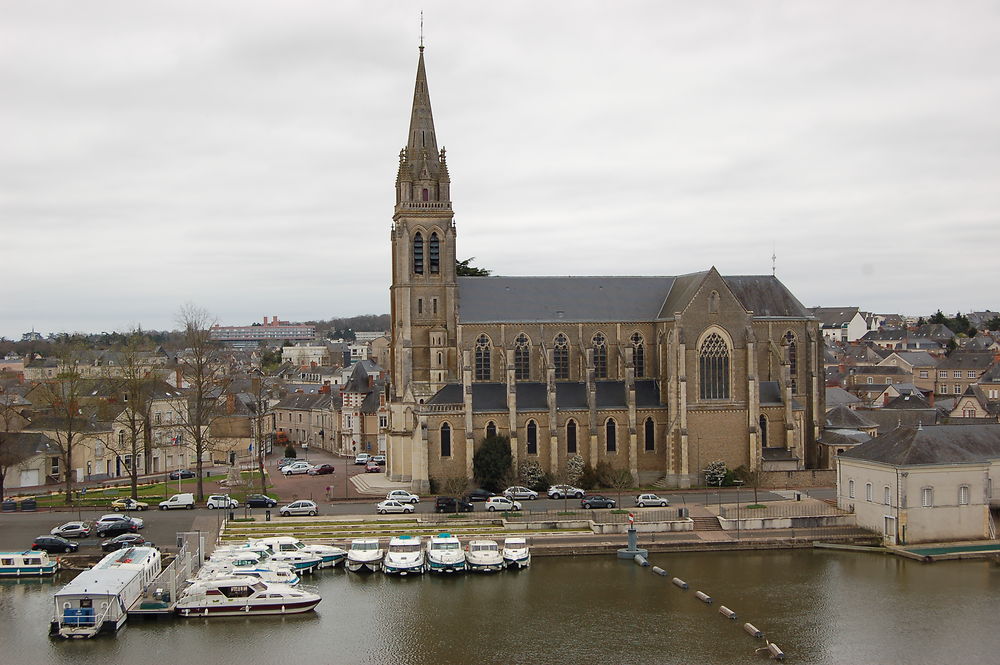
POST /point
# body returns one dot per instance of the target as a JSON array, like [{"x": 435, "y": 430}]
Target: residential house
[
  {"x": 844, "y": 429},
  {"x": 307, "y": 420},
  {"x": 841, "y": 324},
  {"x": 364, "y": 415},
  {"x": 975, "y": 404},
  {"x": 33, "y": 460},
  {"x": 961, "y": 369},
  {"x": 920, "y": 364},
  {"x": 923, "y": 484},
  {"x": 903, "y": 339}
]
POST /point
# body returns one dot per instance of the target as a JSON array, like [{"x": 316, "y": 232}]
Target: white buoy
[
  {"x": 703, "y": 597},
  {"x": 659, "y": 571},
  {"x": 678, "y": 582},
  {"x": 776, "y": 652},
  {"x": 752, "y": 630},
  {"x": 726, "y": 612},
  {"x": 641, "y": 560}
]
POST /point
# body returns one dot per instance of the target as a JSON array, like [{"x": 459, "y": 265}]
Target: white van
[{"x": 185, "y": 500}]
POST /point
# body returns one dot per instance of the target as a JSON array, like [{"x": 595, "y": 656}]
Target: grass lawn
[{"x": 151, "y": 494}]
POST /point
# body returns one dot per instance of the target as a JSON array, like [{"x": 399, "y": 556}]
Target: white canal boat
[
  {"x": 365, "y": 555},
  {"x": 240, "y": 596},
  {"x": 445, "y": 554},
  {"x": 250, "y": 564},
  {"x": 330, "y": 555},
  {"x": 516, "y": 553},
  {"x": 97, "y": 601},
  {"x": 404, "y": 557},
  {"x": 484, "y": 556},
  {"x": 33, "y": 563}
]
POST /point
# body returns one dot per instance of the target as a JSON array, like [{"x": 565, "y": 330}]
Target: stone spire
[{"x": 423, "y": 171}]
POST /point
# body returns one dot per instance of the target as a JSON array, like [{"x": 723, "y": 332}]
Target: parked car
[
  {"x": 261, "y": 501},
  {"x": 596, "y": 501},
  {"x": 116, "y": 517},
  {"x": 303, "y": 507},
  {"x": 502, "y": 503},
  {"x": 321, "y": 470},
  {"x": 296, "y": 467},
  {"x": 403, "y": 496},
  {"x": 128, "y": 503},
  {"x": 285, "y": 461},
  {"x": 644, "y": 500},
  {"x": 72, "y": 530},
  {"x": 518, "y": 492},
  {"x": 379, "y": 459},
  {"x": 125, "y": 540},
  {"x": 449, "y": 504},
  {"x": 181, "y": 473},
  {"x": 54, "y": 544},
  {"x": 393, "y": 506},
  {"x": 184, "y": 500},
  {"x": 563, "y": 491},
  {"x": 478, "y": 495},
  {"x": 361, "y": 459},
  {"x": 109, "y": 529},
  {"x": 221, "y": 501},
  {"x": 372, "y": 467}
]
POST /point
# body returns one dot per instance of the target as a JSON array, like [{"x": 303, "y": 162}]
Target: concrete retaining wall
[
  {"x": 801, "y": 478},
  {"x": 686, "y": 524},
  {"x": 788, "y": 522}
]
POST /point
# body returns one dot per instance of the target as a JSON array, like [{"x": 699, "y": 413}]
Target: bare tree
[
  {"x": 11, "y": 422},
  {"x": 621, "y": 480},
  {"x": 205, "y": 380},
  {"x": 262, "y": 424},
  {"x": 455, "y": 486},
  {"x": 63, "y": 415},
  {"x": 133, "y": 384}
]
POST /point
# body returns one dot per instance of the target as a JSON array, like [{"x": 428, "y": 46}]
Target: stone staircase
[{"x": 706, "y": 523}]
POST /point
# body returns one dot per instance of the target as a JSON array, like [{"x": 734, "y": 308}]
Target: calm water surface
[{"x": 820, "y": 607}]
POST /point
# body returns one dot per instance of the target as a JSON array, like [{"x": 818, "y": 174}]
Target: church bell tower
[{"x": 424, "y": 288}]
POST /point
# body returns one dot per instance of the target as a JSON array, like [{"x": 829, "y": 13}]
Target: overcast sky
[{"x": 241, "y": 155}]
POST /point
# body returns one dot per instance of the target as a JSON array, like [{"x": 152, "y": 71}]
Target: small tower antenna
[
  {"x": 774, "y": 259},
  {"x": 421, "y": 30}
]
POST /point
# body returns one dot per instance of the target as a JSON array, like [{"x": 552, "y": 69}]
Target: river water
[{"x": 818, "y": 606}]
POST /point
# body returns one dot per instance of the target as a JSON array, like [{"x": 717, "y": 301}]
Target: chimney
[
  {"x": 265, "y": 320},
  {"x": 930, "y": 397},
  {"x": 371, "y": 381},
  {"x": 230, "y": 403},
  {"x": 274, "y": 320},
  {"x": 255, "y": 384},
  {"x": 312, "y": 364}
]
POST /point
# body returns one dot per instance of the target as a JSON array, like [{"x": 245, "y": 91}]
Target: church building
[{"x": 657, "y": 375}]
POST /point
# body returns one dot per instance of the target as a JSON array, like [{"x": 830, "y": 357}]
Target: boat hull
[
  {"x": 29, "y": 571},
  {"x": 444, "y": 567},
  {"x": 363, "y": 566},
  {"x": 517, "y": 563},
  {"x": 195, "y": 611}
]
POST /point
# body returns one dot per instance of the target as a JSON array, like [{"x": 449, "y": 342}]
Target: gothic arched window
[
  {"x": 491, "y": 430},
  {"x": 560, "y": 356},
  {"x": 435, "y": 254},
  {"x": 522, "y": 357},
  {"x": 649, "y": 434},
  {"x": 418, "y": 254},
  {"x": 610, "y": 438},
  {"x": 638, "y": 355},
  {"x": 483, "y": 358},
  {"x": 713, "y": 364},
  {"x": 600, "y": 356},
  {"x": 446, "y": 440},
  {"x": 793, "y": 360},
  {"x": 763, "y": 431},
  {"x": 571, "y": 437},
  {"x": 532, "y": 438}
]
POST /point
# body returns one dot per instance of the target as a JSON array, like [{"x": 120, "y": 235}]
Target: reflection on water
[{"x": 820, "y": 607}]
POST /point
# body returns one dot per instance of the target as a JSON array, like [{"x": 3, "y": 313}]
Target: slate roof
[
  {"x": 834, "y": 317},
  {"x": 889, "y": 419},
  {"x": 915, "y": 358},
  {"x": 770, "y": 393},
  {"x": 992, "y": 375},
  {"x": 938, "y": 444},
  {"x": 967, "y": 360},
  {"x": 23, "y": 445},
  {"x": 647, "y": 394},
  {"x": 571, "y": 395},
  {"x": 908, "y": 401},
  {"x": 450, "y": 393},
  {"x": 304, "y": 402},
  {"x": 836, "y": 396},
  {"x": 842, "y": 417},
  {"x": 531, "y": 396},
  {"x": 610, "y": 299},
  {"x": 489, "y": 397},
  {"x": 842, "y": 438},
  {"x": 879, "y": 369}
]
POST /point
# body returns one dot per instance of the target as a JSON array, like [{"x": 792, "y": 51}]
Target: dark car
[
  {"x": 321, "y": 470},
  {"x": 116, "y": 528},
  {"x": 181, "y": 473},
  {"x": 478, "y": 495},
  {"x": 449, "y": 504},
  {"x": 596, "y": 501},
  {"x": 125, "y": 540},
  {"x": 52, "y": 544},
  {"x": 260, "y": 501}
]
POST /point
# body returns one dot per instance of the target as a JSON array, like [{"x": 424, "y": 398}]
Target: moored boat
[
  {"x": 330, "y": 555},
  {"x": 484, "y": 556},
  {"x": 240, "y": 596},
  {"x": 97, "y": 600},
  {"x": 32, "y": 563},
  {"x": 516, "y": 553},
  {"x": 404, "y": 556},
  {"x": 365, "y": 555},
  {"x": 445, "y": 554}
]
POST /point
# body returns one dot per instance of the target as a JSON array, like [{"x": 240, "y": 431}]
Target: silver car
[
  {"x": 563, "y": 491},
  {"x": 303, "y": 507}
]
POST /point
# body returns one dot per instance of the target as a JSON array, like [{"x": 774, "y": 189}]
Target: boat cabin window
[
  {"x": 86, "y": 602},
  {"x": 7, "y": 562},
  {"x": 484, "y": 547},
  {"x": 445, "y": 546},
  {"x": 365, "y": 546},
  {"x": 32, "y": 562},
  {"x": 406, "y": 547},
  {"x": 236, "y": 591}
]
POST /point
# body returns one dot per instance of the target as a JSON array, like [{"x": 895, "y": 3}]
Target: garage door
[{"x": 29, "y": 478}]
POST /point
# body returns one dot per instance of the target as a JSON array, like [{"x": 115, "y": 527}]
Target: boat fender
[
  {"x": 703, "y": 597},
  {"x": 659, "y": 571},
  {"x": 679, "y": 583},
  {"x": 752, "y": 630},
  {"x": 726, "y": 612},
  {"x": 641, "y": 560}
]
